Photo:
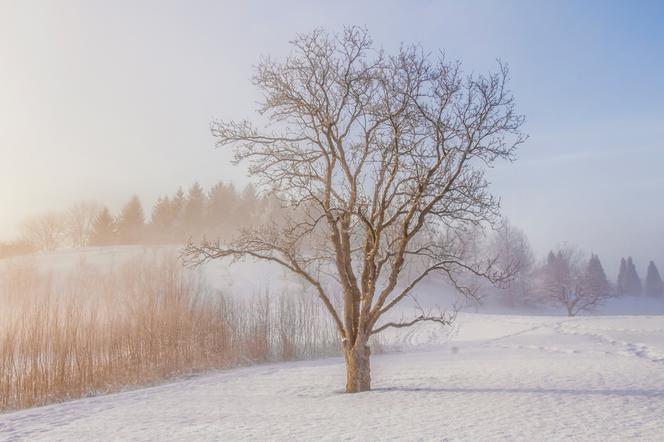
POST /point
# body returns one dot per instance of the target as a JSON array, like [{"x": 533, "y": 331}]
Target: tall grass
[{"x": 95, "y": 331}]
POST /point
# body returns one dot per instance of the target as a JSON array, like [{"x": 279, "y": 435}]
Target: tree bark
[{"x": 358, "y": 369}]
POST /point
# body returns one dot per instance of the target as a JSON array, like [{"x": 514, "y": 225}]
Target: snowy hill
[
  {"x": 496, "y": 377},
  {"x": 527, "y": 376}
]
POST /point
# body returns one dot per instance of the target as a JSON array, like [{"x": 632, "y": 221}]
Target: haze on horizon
[{"x": 103, "y": 100}]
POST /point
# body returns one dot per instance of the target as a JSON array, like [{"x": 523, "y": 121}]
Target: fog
[
  {"x": 100, "y": 102},
  {"x": 331, "y": 220}
]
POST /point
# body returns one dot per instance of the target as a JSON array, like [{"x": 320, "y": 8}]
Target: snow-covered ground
[
  {"x": 532, "y": 376},
  {"x": 493, "y": 377}
]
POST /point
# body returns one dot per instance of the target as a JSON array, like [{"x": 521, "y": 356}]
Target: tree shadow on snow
[{"x": 553, "y": 391}]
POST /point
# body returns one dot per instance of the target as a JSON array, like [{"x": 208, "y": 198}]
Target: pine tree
[
  {"x": 162, "y": 220},
  {"x": 632, "y": 281},
  {"x": 131, "y": 222},
  {"x": 597, "y": 279},
  {"x": 249, "y": 204},
  {"x": 194, "y": 211},
  {"x": 620, "y": 286},
  {"x": 221, "y": 209},
  {"x": 654, "y": 284},
  {"x": 103, "y": 229},
  {"x": 177, "y": 207}
]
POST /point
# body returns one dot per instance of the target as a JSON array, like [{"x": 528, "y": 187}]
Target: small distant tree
[
  {"x": 178, "y": 202},
  {"x": 567, "y": 280},
  {"x": 131, "y": 222},
  {"x": 194, "y": 211},
  {"x": 78, "y": 222},
  {"x": 384, "y": 154},
  {"x": 162, "y": 220},
  {"x": 654, "y": 285},
  {"x": 513, "y": 253},
  {"x": 221, "y": 215},
  {"x": 44, "y": 232},
  {"x": 103, "y": 231},
  {"x": 596, "y": 276},
  {"x": 620, "y": 286},
  {"x": 632, "y": 282},
  {"x": 249, "y": 203}
]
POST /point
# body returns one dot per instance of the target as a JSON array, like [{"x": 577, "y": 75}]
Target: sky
[{"x": 101, "y": 100}]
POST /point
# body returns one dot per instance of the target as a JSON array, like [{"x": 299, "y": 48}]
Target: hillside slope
[{"x": 493, "y": 377}]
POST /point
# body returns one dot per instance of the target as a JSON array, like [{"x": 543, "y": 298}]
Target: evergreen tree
[
  {"x": 131, "y": 222},
  {"x": 654, "y": 285},
  {"x": 178, "y": 201},
  {"x": 597, "y": 279},
  {"x": 621, "y": 277},
  {"x": 103, "y": 229},
  {"x": 177, "y": 207},
  {"x": 632, "y": 282},
  {"x": 162, "y": 220},
  {"x": 194, "y": 211},
  {"x": 249, "y": 208},
  {"x": 221, "y": 209}
]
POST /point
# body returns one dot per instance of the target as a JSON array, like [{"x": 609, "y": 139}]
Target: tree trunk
[{"x": 358, "y": 369}]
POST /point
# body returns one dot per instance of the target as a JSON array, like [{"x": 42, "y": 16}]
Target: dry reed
[{"x": 94, "y": 331}]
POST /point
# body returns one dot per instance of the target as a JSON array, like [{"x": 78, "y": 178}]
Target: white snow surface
[
  {"x": 492, "y": 377},
  {"x": 489, "y": 377}
]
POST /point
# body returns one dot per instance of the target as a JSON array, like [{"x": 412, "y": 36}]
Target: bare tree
[
  {"x": 566, "y": 279},
  {"x": 514, "y": 255},
  {"x": 79, "y": 221},
  {"x": 385, "y": 154},
  {"x": 45, "y": 231}
]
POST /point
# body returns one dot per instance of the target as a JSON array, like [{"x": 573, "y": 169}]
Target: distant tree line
[
  {"x": 15, "y": 248},
  {"x": 567, "y": 277},
  {"x": 217, "y": 213},
  {"x": 629, "y": 282}
]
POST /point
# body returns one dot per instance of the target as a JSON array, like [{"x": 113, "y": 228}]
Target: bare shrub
[
  {"x": 95, "y": 331},
  {"x": 45, "y": 231},
  {"x": 79, "y": 222},
  {"x": 514, "y": 255},
  {"x": 567, "y": 279}
]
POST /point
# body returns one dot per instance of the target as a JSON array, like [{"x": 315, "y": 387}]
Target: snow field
[{"x": 510, "y": 378}]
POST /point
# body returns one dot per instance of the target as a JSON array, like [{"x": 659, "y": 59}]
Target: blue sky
[{"x": 99, "y": 100}]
